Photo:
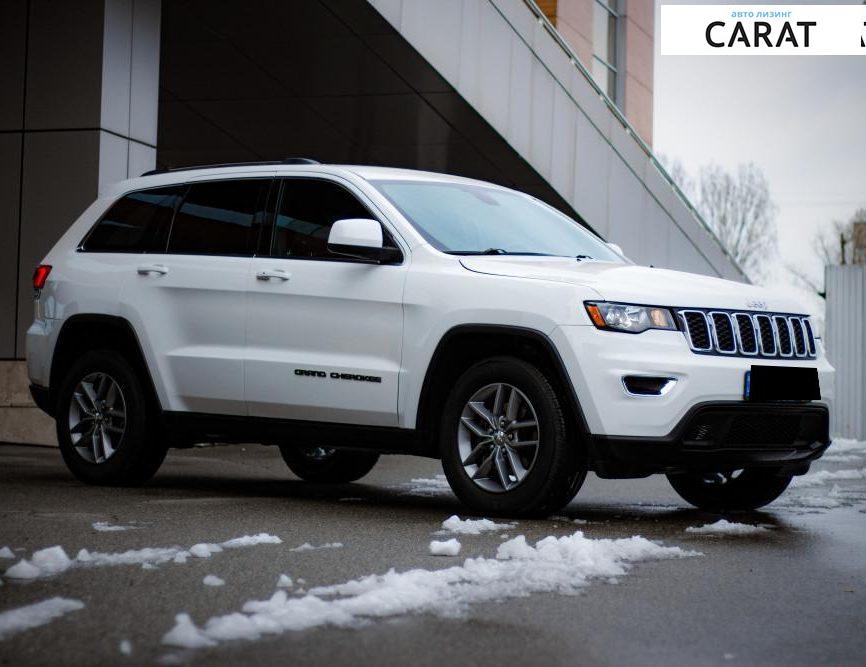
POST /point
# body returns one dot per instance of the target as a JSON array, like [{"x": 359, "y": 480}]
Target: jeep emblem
[{"x": 757, "y": 305}]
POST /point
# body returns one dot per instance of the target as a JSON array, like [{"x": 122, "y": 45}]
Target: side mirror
[{"x": 360, "y": 238}]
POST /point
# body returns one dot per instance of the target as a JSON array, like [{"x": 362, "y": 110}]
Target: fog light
[{"x": 645, "y": 385}]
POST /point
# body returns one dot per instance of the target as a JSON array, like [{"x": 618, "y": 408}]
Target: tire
[
  {"x": 527, "y": 480},
  {"x": 136, "y": 449},
  {"x": 736, "y": 491},
  {"x": 325, "y": 465}
]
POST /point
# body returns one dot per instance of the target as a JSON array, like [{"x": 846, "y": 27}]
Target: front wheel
[
  {"x": 326, "y": 465},
  {"x": 731, "y": 491},
  {"x": 504, "y": 443}
]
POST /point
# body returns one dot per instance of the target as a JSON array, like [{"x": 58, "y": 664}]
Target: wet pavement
[{"x": 793, "y": 593}]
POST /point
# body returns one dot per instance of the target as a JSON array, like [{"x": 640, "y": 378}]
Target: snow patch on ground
[
  {"x": 823, "y": 476},
  {"x": 847, "y": 445},
  {"x": 564, "y": 519},
  {"x": 427, "y": 486},
  {"x": 285, "y": 581},
  {"x": 54, "y": 560},
  {"x": 125, "y": 647},
  {"x": 306, "y": 546},
  {"x": 555, "y": 564},
  {"x": 723, "y": 527},
  {"x": 33, "y": 615},
  {"x": 213, "y": 580},
  {"x": 841, "y": 458},
  {"x": 105, "y": 527},
  {"x": 454, "y": 524},
  {"x": 447, "y": 548},
  {"x": 6, "y": 552}
]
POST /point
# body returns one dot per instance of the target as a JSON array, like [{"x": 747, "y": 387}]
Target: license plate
[{"x": 782, "y": 383}]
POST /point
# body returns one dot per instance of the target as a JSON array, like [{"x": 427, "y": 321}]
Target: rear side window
[
  {"x": 220, "y": 218},
  {"x": 307, "y": 210},
  {"x": 137, "y": 222}
]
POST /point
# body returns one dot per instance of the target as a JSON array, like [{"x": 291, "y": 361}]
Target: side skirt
[{"x": 188, "y": 428}]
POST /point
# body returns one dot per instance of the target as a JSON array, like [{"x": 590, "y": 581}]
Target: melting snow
[
  {"x": 847, "y": 445},
  {"x": 285, "y": 581},
  {"x": 428, "y": 486},
  {"x": 54, "y": 560},
  {"x": 823, "y": 476},
  {"x": 23, "y": 618},
  {"x": 723, "y": 527},
  {"x": 212, "y": 580},
  {"x": 455, "y": 524},
  {"x": 841, "y": 458},
  {"x": 554, "y": 564},
  {"x": 125, "y": 647},
  {"x": 447, "y": 548},
  {"x": 6, "y": 552},
  {"x": 306, "y": 546},
  {"x": 105, "y": 527}
]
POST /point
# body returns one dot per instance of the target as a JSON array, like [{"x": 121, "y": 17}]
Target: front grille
[{"x": 748, "y": 334}]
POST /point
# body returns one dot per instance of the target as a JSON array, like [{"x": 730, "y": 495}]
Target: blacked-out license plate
[{"x": 782, "y": 383}]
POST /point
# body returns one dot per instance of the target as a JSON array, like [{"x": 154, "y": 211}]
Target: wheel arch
[
  {"x": 466, "y": 344},
  {"x": 85, "y": 332}
]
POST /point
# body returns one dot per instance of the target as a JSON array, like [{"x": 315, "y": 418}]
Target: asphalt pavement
[{"x": 793, "y": 593}]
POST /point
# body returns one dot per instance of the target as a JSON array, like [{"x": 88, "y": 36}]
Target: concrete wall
[
  {"x": 846, "y": 347},
  {"x": 508, "y": 65},
  {"x": 78, "y": 111}
]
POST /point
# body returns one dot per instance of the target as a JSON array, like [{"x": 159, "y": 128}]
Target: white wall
[{"x": 507, "y": 65}]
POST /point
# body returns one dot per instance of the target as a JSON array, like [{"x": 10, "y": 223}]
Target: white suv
[{"x": 342, "y": 312}]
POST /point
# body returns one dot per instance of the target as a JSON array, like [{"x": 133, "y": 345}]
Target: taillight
[{"x": 40, "y": 275}]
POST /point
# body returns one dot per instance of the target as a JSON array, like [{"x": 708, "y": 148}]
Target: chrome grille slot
[
  {"x": 799, "y": 336},
  {"x": 697, "y": 330},
  {"x": 810, "y": 337},
  {"x": 747, "y": 340},
  {"x": 723, "y": 333},
  {"x": 767, "y": 335},
  {"x": 783, "y": 335}
]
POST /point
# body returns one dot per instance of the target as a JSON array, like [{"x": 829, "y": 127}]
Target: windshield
[{"x": 469, "y": 219}]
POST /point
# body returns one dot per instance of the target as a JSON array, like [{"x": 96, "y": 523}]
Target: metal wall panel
[{"x": 845, "y": 341}]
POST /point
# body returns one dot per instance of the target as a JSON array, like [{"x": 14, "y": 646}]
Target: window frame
[
  {"x": 354, "y": 192},
  {"x": 82, "y": 245},
  {"x": 612, "y": 8},
  {"x": 265, "y": 199}
]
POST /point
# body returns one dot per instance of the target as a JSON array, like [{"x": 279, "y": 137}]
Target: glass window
[
  {"x": 604, "y": 63},
  {"x": 307, "y": 210},
  {"x": 220, "y": 218},
  {"x": 137, "y": 222},
  {"x": 469, "y": 219}
]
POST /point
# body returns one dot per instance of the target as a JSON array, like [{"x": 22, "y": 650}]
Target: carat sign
[{"x": 763, "y": 30}]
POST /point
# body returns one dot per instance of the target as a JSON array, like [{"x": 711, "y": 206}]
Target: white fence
[{"x": 846, "y": 347}]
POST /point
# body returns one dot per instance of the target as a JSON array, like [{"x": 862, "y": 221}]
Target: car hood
[{"x": 638, "y": 284}]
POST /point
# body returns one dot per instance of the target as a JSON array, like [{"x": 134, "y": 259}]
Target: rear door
[
  {"x": 324, "y": 332},
  {"x": 187, "y": 303}
]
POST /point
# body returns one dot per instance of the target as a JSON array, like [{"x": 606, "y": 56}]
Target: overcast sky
[{"x": 801, "y": 119}]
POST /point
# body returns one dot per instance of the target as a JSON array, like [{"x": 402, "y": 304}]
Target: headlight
[{"x": 628, "y": 318}]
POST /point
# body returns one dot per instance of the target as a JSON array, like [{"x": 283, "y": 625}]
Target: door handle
[
  {"x": 147, "y": 269},
  {"x": 279, "y": 274}
]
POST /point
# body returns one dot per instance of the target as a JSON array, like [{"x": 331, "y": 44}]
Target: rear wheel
[
  {"x": 731, "y": 491},
  {"x": 103, "y": 425},
  {"x": 326, "y": 465},
  {"x": 504, "y": 444}
]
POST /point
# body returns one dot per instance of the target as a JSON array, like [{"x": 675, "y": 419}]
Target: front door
[{"x": 324, "y": 333}]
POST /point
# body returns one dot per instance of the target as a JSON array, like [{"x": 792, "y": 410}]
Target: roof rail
[{"x": 288, "y": 160}]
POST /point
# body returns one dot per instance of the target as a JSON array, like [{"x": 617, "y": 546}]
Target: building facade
[{"x": 556, "y": 104}]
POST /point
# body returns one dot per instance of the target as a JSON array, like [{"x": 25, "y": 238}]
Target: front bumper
[
  {"x": 721, "y": 436},
  {"x": 597, "y": 361}
]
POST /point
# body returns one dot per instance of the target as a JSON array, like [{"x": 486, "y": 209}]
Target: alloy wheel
[
  {"x": 97, "y": 417},
  {"x": 498, "y": 437}
]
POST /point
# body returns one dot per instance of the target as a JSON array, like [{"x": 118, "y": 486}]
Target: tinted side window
[
  {"x": 219, "y": 218},
  {"x": 137, "y": 222},
  {"x": 308, "y": 208}
]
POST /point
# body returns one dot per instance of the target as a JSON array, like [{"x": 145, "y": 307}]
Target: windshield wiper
[
  {"x": 498, "y": 251},
  {"x": 580, "y": 258}
]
